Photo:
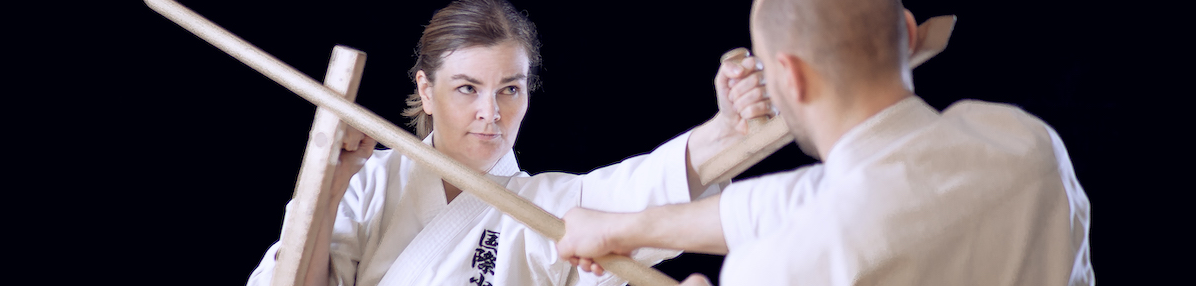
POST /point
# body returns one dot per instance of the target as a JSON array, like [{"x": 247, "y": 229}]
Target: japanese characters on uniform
[{"x": 484, "y": 257}]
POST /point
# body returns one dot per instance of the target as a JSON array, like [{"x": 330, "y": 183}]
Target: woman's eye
[
  {"x": 466, "y": 89},
  {"x": 510, "y": 90}
]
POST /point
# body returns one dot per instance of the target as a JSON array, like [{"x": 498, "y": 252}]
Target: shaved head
[{"x": 849, "y": 42}]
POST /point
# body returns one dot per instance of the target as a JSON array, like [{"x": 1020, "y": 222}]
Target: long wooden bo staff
[
  {"x": 377, "y": 127},
  {"x": 768, "y": 136}
]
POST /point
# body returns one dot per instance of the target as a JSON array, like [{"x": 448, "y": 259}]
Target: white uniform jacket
[
  {"x": 982, "y": 194},
  {"x": 393, "y": 226}
]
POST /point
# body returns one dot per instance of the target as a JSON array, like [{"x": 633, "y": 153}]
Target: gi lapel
[
  {"x": 446, "y": 229},
  {"x": 438, "y": 237}
]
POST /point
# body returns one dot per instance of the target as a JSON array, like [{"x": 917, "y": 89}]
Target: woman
[{"x": 399, "y": 224}]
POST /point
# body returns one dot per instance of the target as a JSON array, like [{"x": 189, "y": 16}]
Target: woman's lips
[{"x": 485, "y": 136}]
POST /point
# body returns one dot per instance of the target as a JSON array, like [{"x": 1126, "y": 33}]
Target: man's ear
[
  {"x": 424, "y": 88},
  {"x": 793, "y": 77},
  {"x": 911, "y": 28}
]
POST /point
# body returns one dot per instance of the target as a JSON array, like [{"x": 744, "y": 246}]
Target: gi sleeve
[
  {"x": 652, "y": 179},
  {"x": 264, "y": 273},
  {"x": 755, "y": 207},
  {"x": 636, "y": 183},
  {"x": 349, "y": 229}
]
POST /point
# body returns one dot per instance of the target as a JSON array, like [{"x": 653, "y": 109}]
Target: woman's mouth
[{"x": 485, "y": 136}]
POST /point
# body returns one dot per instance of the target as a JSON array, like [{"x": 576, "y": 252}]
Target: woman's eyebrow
[
  {"x": 514, "y": 78},
  {"x": 478, "y": 82},
  {"x": 466, "y": 78}
]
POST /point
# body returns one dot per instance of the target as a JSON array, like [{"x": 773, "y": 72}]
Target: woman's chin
[{"x": 488, "y": 153}]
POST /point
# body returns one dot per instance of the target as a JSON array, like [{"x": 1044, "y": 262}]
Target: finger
[
  {"x": 368, "y": 143},
  {"x": 752, "y": 63},
  {"x": 573, "y": 260},
  {"x": 756, "y": 110},
  {"x": 748, "y": 97},
  {"x": 732, "y": 69},
  {"x": 744, "y": 67},
  {"x": 735, "y": 69},
  {"x": 755, "y": 80},
  {"x": 352, "y": 138},
  {"x": 360, "y": 151},
  {"x": 696, "y": 279},
  {"x": 726, "y": 73},
  {"x": 584, "y": 264},
  {"x": 597, "y": 269},
  {"x": 753, "y": 104}
]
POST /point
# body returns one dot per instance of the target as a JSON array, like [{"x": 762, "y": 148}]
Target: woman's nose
[{"x": 488, "y": 109}]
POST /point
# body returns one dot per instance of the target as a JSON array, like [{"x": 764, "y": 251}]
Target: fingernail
[
  {"x": 736, "y": 69},
  {"x": 761, "y": 80},
  {"x": 759, "y": 65}
]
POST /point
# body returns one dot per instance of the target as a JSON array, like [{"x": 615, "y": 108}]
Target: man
[{"x": 981, "y": 194}]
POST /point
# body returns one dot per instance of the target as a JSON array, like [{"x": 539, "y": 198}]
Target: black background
[{"x": 156, "y": 158}]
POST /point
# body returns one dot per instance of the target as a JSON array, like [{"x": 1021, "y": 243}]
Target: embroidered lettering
[
  {"x": 480, "y": 280},
  {"x": 484, "y": 257},
  {"x": 484, "y": 260},
  {"x": 489, "y": 240}
]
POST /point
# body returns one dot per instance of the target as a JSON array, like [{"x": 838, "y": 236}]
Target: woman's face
[{"x": 477, "y": 102}]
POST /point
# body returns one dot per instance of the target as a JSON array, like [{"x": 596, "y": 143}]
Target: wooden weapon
[{"x": 392, "y": 136}]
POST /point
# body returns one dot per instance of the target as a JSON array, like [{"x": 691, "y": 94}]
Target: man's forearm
[{"x": 692, "y": 227}]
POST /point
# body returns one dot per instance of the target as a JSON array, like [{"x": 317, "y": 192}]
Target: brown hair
[{"x": 464, "y": 24}]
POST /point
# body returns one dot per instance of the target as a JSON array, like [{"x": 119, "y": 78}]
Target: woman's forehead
[{"x": 487, "y": 64}]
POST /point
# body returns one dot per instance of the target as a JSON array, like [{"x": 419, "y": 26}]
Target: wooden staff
[
  {"x": 313, "y": 195},
  {"x": 377, "y": 127},
  {"x": 767, "y": 138}
]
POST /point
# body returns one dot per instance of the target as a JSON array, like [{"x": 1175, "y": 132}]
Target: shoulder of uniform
[{"x": 1002, "y": 129}]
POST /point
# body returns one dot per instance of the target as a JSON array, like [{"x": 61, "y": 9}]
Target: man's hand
[{"x": 589, "y": 234}]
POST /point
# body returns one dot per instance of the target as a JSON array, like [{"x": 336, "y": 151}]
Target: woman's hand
[
  {"x": 696, "y": 280},
  {"x": 356, "y": 148},
  {"x": 739, "y": 85}
]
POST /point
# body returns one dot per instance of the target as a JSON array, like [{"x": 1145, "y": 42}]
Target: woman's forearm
[{"x": 318, "y": 268}]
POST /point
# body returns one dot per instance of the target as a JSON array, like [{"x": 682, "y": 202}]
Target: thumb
[{"x": 696, "y": 279}]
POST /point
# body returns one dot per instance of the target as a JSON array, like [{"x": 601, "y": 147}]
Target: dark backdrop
[{"x": 179, "y": 159}]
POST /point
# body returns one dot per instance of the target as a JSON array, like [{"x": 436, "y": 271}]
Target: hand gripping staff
[{"x": 369, "y": 123}]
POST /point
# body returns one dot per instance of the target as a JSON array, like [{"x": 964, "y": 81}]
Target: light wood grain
[{"x": 312, "y": 200}]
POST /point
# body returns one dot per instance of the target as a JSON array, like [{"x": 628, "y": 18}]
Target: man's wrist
[{"x": 637, "y": 230}]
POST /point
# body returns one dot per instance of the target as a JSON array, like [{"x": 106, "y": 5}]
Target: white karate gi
[
  {"x": 983, "y": 194},
  {"x": 393, "y": 226}
]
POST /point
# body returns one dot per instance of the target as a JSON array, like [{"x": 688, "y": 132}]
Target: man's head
[{"x": 828, "y": 61}]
